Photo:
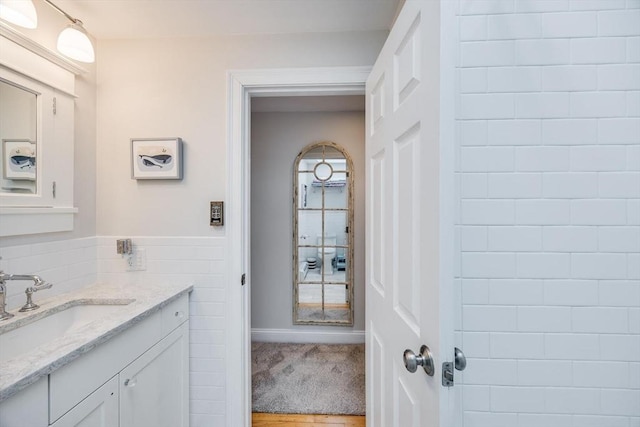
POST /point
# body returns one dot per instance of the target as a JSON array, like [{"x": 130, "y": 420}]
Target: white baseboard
[{"x": 302, "y": 337}]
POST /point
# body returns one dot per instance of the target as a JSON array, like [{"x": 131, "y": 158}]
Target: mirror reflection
[
  {"x": 18, "y": 135},
  {"x": 323, "y": 243}
]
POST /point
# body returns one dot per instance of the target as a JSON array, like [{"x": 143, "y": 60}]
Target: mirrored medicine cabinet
[
  {"x": 36, "y": 137},
  {"x": 323, "y": 236}
]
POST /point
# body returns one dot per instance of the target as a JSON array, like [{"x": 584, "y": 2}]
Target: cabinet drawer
[{"x": 175, "y": 313}]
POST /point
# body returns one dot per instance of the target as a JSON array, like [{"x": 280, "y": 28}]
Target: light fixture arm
[{"x": 69, "y": 17}]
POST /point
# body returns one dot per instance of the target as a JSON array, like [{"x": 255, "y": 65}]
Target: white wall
[
  {"x": 177, "y": 87},
  {"x": 549, "y": 168},
  {"x": 276, "y": 140}
]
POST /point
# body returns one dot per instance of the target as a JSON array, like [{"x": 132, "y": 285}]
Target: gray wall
[{"x": 277, "y": 138}]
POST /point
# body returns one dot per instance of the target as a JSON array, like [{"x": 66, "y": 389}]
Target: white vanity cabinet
[
  {"x": 151, "y": 381},
  {"x": 138, "y": 378}
]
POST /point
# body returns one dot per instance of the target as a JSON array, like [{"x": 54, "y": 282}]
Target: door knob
[
  {"x": 459, "y": 363},
  {"x": 424, "y": 359},
  {"x": 459, "y": 359}
]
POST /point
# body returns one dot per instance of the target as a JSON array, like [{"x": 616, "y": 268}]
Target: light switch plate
[{"x": 216, "y": 214}]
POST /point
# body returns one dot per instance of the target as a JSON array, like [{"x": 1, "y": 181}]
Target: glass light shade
[
  {"x": 19, "y": 12},
  {"x": 74, "y": 43}
]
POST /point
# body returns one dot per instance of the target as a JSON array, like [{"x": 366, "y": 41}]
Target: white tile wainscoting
[
  {"x": 74, "y": 264},
  {"x": 549, "y": 182}
]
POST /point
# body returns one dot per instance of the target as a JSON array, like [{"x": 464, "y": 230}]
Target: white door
[{"x": 406, "y": 298}]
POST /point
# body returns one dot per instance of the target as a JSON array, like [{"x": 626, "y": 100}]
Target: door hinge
[
  {"x": 53, "y": 189},
  {"x": 243, "y": 279},
  {"x": 54, "y": 106}
]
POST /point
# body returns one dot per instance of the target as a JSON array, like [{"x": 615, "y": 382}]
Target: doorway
[
  {"x": 243, "y": 86},
  {"x": 300, "y": 367}
]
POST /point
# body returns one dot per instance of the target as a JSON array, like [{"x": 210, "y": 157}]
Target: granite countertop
[{"x": 135, "y": 303}]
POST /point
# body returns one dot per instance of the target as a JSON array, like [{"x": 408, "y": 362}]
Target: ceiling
[{"x": 118, "y": 19}]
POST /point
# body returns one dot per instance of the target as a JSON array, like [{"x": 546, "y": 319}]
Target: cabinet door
[
  {"x": 99, "y": 409},
  {"x": 154, "y": 389}
]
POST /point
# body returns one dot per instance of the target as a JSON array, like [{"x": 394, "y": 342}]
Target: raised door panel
[
  {"x": 99, "y": 409},
  {"x": 154, "y": 389}
]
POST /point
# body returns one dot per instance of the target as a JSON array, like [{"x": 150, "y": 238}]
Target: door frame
[{"x": 242, "y": 85}]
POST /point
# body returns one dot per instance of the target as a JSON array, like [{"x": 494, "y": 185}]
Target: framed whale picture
[
  {"x": 156, "y": 158},
  {"x": 19, "y": 159}
]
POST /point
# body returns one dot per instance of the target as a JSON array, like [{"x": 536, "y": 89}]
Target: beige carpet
[{"x": 308, "y": 378}]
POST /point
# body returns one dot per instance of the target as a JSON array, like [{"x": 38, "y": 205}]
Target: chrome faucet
[{"x": 38, "y": 284}]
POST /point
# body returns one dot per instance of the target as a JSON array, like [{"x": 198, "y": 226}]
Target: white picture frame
[
  {"x": 156, "y": 158},
  {"x": 19, "y": 159}
]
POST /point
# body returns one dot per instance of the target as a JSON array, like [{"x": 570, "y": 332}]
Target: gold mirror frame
[{"x": 323, "y": 313}]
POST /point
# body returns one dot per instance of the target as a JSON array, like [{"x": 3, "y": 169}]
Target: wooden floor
[{"x": 284, "y": 420}]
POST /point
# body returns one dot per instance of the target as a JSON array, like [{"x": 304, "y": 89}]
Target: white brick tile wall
[
  {"x": 517, "y": 346},
  {"x": 598, "y": 212},
  {"x": 542, "y": 105},
  {"x": 514, "y": 79},
  {"x": 515, "y": 26},
  {"x": 514, "y": 239},
  {"x": 473, "y": 132},
  {"x": 541, "y": 212},
  {"x": 596, "y": 4},
  {"x": 541, "y": 52},
  {"x": 487, "y": 53},
  {"x": 569, "y": 78},
  {"x": 570, "y": 132},
  {"x": 473, "y": 27},
  {"x": 619, "y": 23},
  {"x": 571, "y": 292},
  {"x": 619, "y": 131},
  {"x": 598, "y": 104},
  {"x": 536, "y": 420},
  {"x": 544, "y": 319},
  {"x": 514, "y": 185},
  {"x": 633, "y": 49},
  {"x": 598, "y": 421},
  {"x": 514, "y": 132},
  {"x": 570, "y": 239},
  {"x": 542, "y": 159},
  {"x": 574, "y": 24},
  {"x": 598, "y": 51},
  {"x": 633, "y": 104},
  {"x": 516, "y": 292},
  {"x": 549, "y": 137},
  {"x": 474, "y": 185},
  {"x": 541, "y": 5},
  {"x": 564, "y": 185},
  {"x": 544, "y": 373},
  {"x": 485, "y": 7},
  {"x": 487, "y": 106},
  {"x": 517, "y": 399},
  {"x": 475, "y": 80}
]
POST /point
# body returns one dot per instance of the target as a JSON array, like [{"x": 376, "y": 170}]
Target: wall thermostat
[{"x": 217, "y": 214}]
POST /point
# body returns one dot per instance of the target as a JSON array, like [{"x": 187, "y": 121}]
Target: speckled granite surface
[{"x": 135, "y": 303}]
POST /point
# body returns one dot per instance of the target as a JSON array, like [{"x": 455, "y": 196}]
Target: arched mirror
[{"x": 323, "y": 236}]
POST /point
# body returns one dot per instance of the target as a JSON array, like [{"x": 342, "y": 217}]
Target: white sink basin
[{"x": 54, "y": 326}]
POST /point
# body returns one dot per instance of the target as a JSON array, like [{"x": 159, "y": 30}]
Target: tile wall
[{"x": 549, "y": 181}]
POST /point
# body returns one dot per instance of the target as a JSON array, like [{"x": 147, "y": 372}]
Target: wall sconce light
[
  {"x": 19, "y": 12},
  {"x": 73, "y": 41}
]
